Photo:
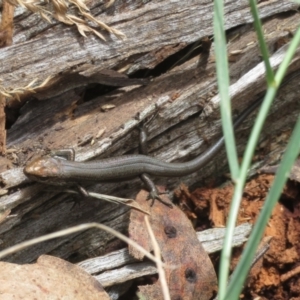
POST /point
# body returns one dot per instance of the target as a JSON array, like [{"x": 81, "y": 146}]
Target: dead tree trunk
[{"x": 70, "y": 110}]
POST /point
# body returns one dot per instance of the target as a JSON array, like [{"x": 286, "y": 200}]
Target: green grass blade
[
  {"x": 262, "y": 42},
  {"x": 242, "y": 269},
  {"x": 223, "y": 85}
]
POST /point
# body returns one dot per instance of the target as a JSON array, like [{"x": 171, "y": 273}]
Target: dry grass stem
[
  {"x": 160, "y": 269},
  {"x": 58, "y": 9},
  {"x": 15, "y": 93},
  {"x": 117, "y": 200},
  {"x": 74, "y": 229}
]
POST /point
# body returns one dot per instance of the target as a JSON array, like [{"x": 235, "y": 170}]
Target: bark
[{"x": 184, "y": 98}]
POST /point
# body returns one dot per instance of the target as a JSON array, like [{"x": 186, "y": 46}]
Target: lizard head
[{"x": 44, "y": 169}]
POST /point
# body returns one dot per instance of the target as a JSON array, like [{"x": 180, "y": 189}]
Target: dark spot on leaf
[
  {"x": 176, "y": 297},
  {"x": 170, "y": 231},
  {"x": 190, "y": 275}
]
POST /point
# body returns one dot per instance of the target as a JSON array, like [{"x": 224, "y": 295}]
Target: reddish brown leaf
[{"x": 193, "y": 276}]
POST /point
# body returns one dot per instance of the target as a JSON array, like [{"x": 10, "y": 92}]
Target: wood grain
[{"x": 185, "y": 100}]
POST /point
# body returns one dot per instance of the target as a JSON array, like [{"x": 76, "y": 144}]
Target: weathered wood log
[
  {"x": 109, "y": 269},
  {"x": 184, "y": 97},
  {"x": 154, "y": 30}
]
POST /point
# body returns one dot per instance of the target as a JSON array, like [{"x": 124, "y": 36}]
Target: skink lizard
[{"x": 58, "y": 171}]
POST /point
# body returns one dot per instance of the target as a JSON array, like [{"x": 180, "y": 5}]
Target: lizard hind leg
[{"x": 153, "y": 191}]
